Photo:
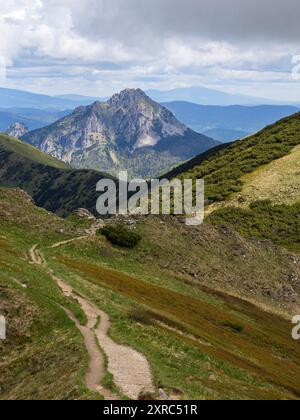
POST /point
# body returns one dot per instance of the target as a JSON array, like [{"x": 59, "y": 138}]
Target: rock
[
  {"x": 84, "y": 214},
  {"x": 162, "y": 394},
  {"x": 17, "y": 130}
]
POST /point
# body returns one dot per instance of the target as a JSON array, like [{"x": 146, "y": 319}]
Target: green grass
[
  {"x": 263, "y": 220},
  {"x": 29, "y": 152},
  {"x": 189, "y": 333},
  {"x": 53, "y": 185},
  {"x": 187, "y": 340},
  {"x": 44, "y": 355},
  {"x": 121, "y": 236}
]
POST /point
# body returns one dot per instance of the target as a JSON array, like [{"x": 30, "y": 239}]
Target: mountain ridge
[
  {"x": 206, "y": 96},
  {"x": 243, "y": 120},
  {"x": 51, "y": 183}
]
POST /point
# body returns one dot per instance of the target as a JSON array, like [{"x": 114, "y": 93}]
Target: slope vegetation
[
  {"x": 279, "y": 181},
  {"x": 51, "y": 183}
]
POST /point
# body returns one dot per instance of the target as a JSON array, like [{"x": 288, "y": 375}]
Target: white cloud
[{"x": 104, "y": 44}]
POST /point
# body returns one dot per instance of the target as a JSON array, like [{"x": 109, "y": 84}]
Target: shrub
[
  {"x": 141, "y": 316},
  {"x": 121, "y": 236},
  {"x": 234, "y": 327}
]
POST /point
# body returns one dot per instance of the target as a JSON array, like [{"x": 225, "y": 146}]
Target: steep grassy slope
[
  {"x": 51, "y": 183},
  {"x": 29, "y": 152},
  {"x": 268, "y": 205},
  {"x": 264, "y": 220},
  {"x": 242, "y": 176},
  {"x": 201, "y": 343},
  {"x": 43, "y": 356},
  {"x": 223, "y": 168}
]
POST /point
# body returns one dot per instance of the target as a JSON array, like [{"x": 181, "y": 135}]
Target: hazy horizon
[{"x": 99, "y": 47}]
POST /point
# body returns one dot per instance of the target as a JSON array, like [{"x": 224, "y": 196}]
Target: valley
[
  {"x": 205, "y": 330},
  {"x": 186, "y": 313}
]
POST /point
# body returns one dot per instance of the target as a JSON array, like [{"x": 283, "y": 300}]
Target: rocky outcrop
[
  {"x": 17, "y": 130},
  {"x": 84, "y": 214}
]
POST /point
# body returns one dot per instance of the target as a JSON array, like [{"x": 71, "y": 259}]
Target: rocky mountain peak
[
  {"x": 130, "y": 131},
  {"x": 128, "y": 98},
  {"x": 17, "y": 130}
]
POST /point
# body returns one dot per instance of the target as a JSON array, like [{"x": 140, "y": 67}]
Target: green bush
[
  {"x": 141, "y": 316},
  {"x": 234, "y": 327},
  {"x": 121, "y": 236}
]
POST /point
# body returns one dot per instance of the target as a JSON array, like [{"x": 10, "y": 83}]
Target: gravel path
[{"x": 130, "y": 369}]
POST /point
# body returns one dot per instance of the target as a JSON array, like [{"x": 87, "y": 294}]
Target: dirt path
[
  {"x": 35, "y": 256},
  {"x": 58, "y": 244},
  {"x": 130, "y": 369},
  {"x": 92, "y": 231}
]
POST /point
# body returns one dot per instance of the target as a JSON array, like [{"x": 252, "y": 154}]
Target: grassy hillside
[
  {"x": 223, "y": 169},
  {"x": 29, "y": 152},
  {"x": 43, "y": 356},
  {"x": 52, "y": 184},
  {"x": 279, "y": 181},
  {"x": 178, "y": 309},
  {"x": 254, "y": 185}
]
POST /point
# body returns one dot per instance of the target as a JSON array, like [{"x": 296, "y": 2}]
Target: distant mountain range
[
  {"x": 32, "y": 118},
  {"x": 204, "y": 96},
  {"x": 11, "y": 98},
  {"x": 230, "y": 122},
  {"x": 129, "y": 132}
]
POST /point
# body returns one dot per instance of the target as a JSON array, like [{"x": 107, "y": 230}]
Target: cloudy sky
[{"x": 97, "y": 47}]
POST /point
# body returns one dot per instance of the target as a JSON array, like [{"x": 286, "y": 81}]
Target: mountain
[
  {"x": 17, "y": 130},
  {"x": 224, "y": 166},
  {"x": 204, "y": 96},
  {"x": 129, "y": 132},
  {"x": 228, "y": 123},
  {"x": 51, "y": 183},
  {"x": 225, "y": 135},
  {"x": 12, "y": 98}
]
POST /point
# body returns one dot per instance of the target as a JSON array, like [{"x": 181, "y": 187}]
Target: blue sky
[{"x": 98, "y": 47}]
